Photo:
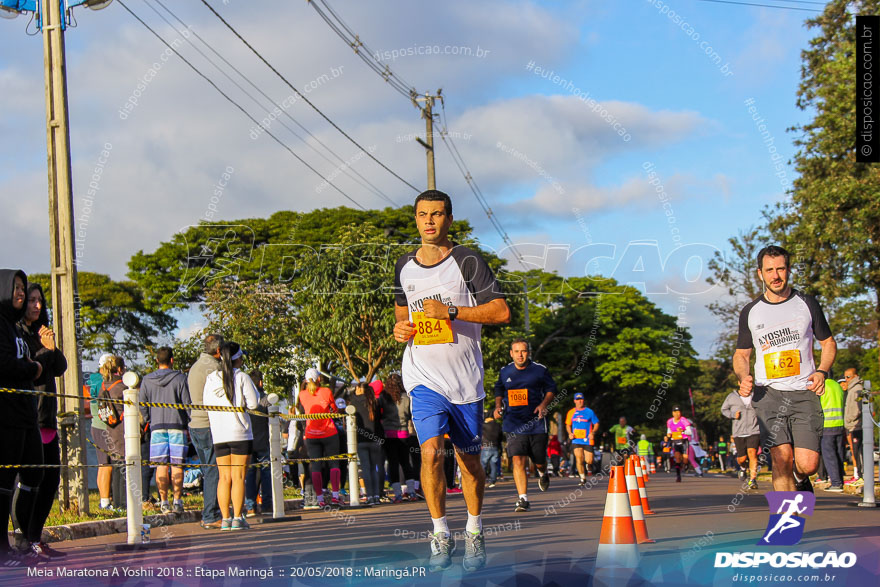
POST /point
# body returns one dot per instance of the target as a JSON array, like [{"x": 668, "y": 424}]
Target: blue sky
[{"x": 683, "y": 114}]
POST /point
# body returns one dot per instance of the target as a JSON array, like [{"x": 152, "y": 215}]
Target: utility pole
[
  {"x": 428, "y": 114},
  {"x": 63, "y": 266},
  {"x": 526, "y": 298},
  {"x": 51, "y": 18}
]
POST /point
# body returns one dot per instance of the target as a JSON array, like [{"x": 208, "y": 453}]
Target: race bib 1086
[{"x": 430, "y": 330}]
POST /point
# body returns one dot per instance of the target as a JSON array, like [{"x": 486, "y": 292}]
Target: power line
[
  {"x": 298, "y": 93},
  {"x": 462, "y": 167},
  {"x": 365, "y": 183},
  {"x": 369, "y": 57},
  {"x": 237, "y": 105},
  {"x": 766, "y": 5}
]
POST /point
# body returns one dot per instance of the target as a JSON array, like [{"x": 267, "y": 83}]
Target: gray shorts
[{"x": 788, "y": 417}]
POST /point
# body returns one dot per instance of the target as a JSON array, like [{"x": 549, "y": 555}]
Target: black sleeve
[
  {"x": 477, "y": 274},
  {"x": 744, "y": 338},
  {"x": 399, "y": 294},
  {"x": 11, "y": 366},
  {"x": 821, "y": 330}
]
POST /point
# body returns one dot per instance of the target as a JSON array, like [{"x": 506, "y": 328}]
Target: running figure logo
[{"x": 786, "y": 526}]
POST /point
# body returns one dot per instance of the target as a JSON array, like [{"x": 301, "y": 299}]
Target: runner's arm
[
  {"x": 403, "y": 329},
  {"x": 492, "y": 312},
  {"x": 829, "y": 352}
]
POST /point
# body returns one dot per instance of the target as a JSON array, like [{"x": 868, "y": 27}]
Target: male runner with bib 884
[
  {"x": 781, "y": 326},
  {"x": 443, "y": 294}
]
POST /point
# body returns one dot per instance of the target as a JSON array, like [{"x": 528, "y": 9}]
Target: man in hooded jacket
[{"x": 20, "y": 441}]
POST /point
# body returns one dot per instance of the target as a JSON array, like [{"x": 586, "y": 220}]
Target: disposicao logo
[{"x": 786, "y": 526}]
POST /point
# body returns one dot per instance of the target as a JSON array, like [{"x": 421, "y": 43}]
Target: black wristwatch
[
  {"x": 453, "y": 312},
  {"x": 823, "y": 372}
]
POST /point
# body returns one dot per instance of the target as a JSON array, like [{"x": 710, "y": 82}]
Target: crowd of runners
[{"x": 426, "y": 430}]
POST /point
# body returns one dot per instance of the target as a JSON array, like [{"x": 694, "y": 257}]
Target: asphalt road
[{"x": 554, "y": 544}]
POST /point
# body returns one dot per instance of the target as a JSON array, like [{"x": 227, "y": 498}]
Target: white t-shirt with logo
[
  {"x": 782, "y": 335},
  {"x": 461, "y": 279}
]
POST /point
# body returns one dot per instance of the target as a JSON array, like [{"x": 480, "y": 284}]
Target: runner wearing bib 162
[{"x": 781, "y": 326}]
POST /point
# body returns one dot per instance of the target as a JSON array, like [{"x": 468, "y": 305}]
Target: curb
[{"x": 96, "y": 528}]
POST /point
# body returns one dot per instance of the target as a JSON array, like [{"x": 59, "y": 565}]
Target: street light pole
[{"x": 62, "y": 263}]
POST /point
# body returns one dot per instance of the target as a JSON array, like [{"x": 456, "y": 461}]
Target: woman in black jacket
[
  {"x": 370, "y": 439},
  {"x": 19, "y": 435},
  {"x": 35, "y": 331}
]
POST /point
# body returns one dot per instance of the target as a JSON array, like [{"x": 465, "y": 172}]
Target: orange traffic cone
[
  {"x": 644, "y": 464},
  {"x": 617, "y": 542},
  {"x": 635, "y": 503},
  {"x": 643, "y": 493},
  {"x": 653, "y": 468}
]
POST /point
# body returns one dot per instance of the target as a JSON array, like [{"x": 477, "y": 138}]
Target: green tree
[
  {"x": 267, "y": 250},
  {"x": 263, "y": 320},
  {"x": 831, "y": 223},
  {"x": 610, "y": 342},
  {"x": 113, "y": 316}
]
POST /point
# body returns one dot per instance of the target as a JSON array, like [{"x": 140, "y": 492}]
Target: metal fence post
[
  {"x": 354, "y": 488},
  {"x": 275, "y": 459},
  {"x": 134, "y": 493}
]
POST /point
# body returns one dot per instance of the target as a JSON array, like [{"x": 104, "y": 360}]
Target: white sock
[
  {"x": 417, "y": 484},
  {"x": 396, "y": 488},
  {"x": 440, "y": 525},
  {"x": 410, "y": 486},
  {"x": 474, "y": 524},
  {"x": 796, "y": 478},
  {"x": 105, "y": 502},
  {"x": 698, "y": 469},
  {"x": 522, "y": 496},
  {"x": 855, "y": 472},
  {"x": 336, "y": 494}
]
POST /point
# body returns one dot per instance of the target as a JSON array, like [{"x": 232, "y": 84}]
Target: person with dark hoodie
[
  {"x": 20, "y": 442},
  {"x": 34, "y": 329},
  {"x": 370, "y": 438},
  {"x": 168, "y": 439}
]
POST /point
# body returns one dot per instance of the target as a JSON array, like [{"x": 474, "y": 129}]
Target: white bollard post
[
  {"x": 354, "y": 486},
  {"x": 276, "y": 466},
  {"x": 868, "y": 500},
  {"x": 134, "y": 493}
]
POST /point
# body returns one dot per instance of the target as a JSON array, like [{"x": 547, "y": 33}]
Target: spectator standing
[
  {"x": 232, "y": 431},
  {"x": 370, "y": 438},
  {"x": 853, "y": 419},
  {"x": 34, "y": 329},
  {"x": 554, "y": 451},
  {"x": 106, "y": 472},
  {"x": 168, "y": 438},
  {"x": 491, "y": 450},
  {"x": 113, "y": 436},
  {"x": 258, "y": 480},
  {"x": 200, "y": 428},
  {"x": 321, "y": 435},
  {"x": 19, "y": 434},
  {"x": 832, "y": 434},
  {"x": 395, "y": 407}
]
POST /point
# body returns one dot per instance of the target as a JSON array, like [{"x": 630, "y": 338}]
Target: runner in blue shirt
[
  {"x": 522, "y": 393},
  {"x": 582, "y": 424}
]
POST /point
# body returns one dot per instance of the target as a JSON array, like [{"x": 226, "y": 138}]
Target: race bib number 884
[{"x": 430, "y": 330}]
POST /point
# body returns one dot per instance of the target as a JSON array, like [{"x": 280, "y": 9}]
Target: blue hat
[{"x": 578, "y": 395}]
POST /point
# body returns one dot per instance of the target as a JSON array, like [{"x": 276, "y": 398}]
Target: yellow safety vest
[{"x": 832, "y": 404}]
